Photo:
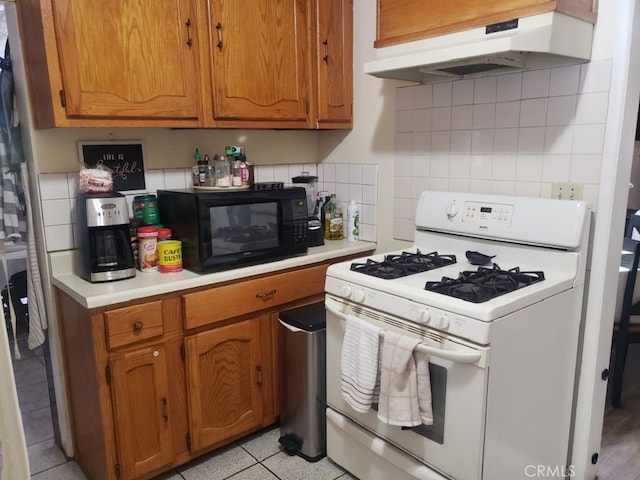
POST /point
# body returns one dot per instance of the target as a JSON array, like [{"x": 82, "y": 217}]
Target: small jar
[
  {"x": 148, "y": 249},
  {"x": 145, "y": 207},
  {"x": 164, "y": 234}
]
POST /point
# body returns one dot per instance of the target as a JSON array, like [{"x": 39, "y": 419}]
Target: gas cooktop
[{"x": 401, "y": 264}]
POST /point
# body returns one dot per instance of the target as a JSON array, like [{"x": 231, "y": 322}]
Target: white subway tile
[
  {"x": 342, "y": 173},
  {"x": 423, "y": 96},
  {"x": 460, "y": 166},
  {"x": 355, "y": 193},
  {"x": 505, "y": 140},
  {"x": 442, "y": 94},
  {"x": 264, "y": 173},
  {"x": 561, "y": 110},
  {"x": 484, "y": 115},
  {"x": 485, "y": 90},
  {"x": 439, "y": 166},
  {"x": 421, "y": 142},
  {"x": 507, "y": 114},
  {"x": 481, "y": 166},
  {"x": 329, "y": 172},
  {"x": 592, "y": 108},
  {"x": 441, "y": 118},
  {"x": 404, "y": 121},
  {"x": 461, "y": 141},
  {"x": 154, "y": 180},
  {"x": 368, "y": 214},
  {"x": 73, "y": 182},
  {"x": 595, "y": 77},
  {"x": 535, "y": 83},
  {"x": 564, "y": 80},
  {"x": 369, "y": 195},
  {"x": 404, "y": 143},
  {"x": 588, "y": 139},
  {"x": 402, "y": 187},
  {"x": 586, "y": 168},
  {"x": 509, "y": 87},
  {"x": 420, "y": 165},
  {"x": 421, "y": 121},
  {"x": 440, "y": 184},
  {"x": 480, "y": 186},
  {"x": 59, "y": 237},
  {"x": 57, "y": 212},
  {"x": 533, "y": 112},
  {"x": 504, "y": 167},
  {"x": 54, "y": 185},
  {"x": 461, "y": 117},
  {"x": 402, "y": 208},
  {"x": 559, "y": 140},
  {"x": 418, "y": 185},
  {"x": 459, "y": 185},
  {"x": 368, "y": 233},
  {"x": 355, "y": 173},
  {"x": 281, "y": 174},
  {"x": 370, "y": 174},
  {"x": 500, "y": 187},
  {"x": 403, "y": 229},
  {"x": 342, "y": 193},
  {"x": 556, "y": 168},
  {"x": 527, "y": 189},
  {"x": 174, "y": 178},
  {"x": 462, "y": 92},
  {"x": 531, "y": 140},
  {"x": 482, "y": 141},
  {"x": 529, "y": 168},
  {"x": 440, "y": 142}
]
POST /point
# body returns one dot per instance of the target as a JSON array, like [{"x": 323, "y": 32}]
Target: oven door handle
[{"x": 457, "y": 357}]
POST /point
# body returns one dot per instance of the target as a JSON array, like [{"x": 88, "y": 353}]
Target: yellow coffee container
[{"x": 169, "y": 256}]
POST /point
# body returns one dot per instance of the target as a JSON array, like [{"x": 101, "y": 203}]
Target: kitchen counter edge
[{"x": 147, "y": 284}]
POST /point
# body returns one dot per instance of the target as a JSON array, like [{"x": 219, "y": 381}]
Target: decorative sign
[{"x": 124, "y": 158}]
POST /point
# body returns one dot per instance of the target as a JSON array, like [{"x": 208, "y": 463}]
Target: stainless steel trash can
[{"x": 303, "y": 393}]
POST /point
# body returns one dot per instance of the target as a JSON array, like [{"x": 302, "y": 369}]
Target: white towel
[
  {"x": 399, "y": 403},
  {"x": 360, "y": 363},
  {"x": 424, "y": 387}
]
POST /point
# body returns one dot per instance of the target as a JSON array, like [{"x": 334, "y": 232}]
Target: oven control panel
[{"x": 487, "y": 213}]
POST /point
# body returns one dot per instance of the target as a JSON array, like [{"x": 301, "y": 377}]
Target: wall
[{"x": 509, "y": 134}]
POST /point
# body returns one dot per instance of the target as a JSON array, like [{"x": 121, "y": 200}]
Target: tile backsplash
[
  {"x": 347, "y": 181},
  {"x": 512, "y": 134}
]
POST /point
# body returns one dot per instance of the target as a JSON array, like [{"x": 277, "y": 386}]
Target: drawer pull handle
[
  {"x": 165, "y": 414},
  {"x": 137, "y": 326},
  {"x": 266, "y": 295},
  {"x": 259, "y": 375}
]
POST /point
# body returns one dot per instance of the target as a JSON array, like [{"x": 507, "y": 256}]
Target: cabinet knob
[
  {"x": 137, "y": 326},
  {"x": 266, "y": 295}
]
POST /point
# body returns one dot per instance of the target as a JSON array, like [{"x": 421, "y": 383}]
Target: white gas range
[{"x": 502, "y": 338}]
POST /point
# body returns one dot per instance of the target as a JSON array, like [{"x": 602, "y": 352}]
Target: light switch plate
[{"x": 566, "y": 190}]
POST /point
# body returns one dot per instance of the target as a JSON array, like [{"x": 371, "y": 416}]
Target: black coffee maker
[{"x": 104, "y": 238}]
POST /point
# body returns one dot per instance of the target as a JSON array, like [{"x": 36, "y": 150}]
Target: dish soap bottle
[
  {"x": 333, "y": 220},
  {"x": 353, "y": 221}
]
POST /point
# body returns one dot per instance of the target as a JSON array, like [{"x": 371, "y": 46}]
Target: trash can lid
[{"x": 308, "y": 317}]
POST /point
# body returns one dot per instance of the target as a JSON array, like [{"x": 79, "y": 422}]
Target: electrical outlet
[{"x": 566, "y": 191}]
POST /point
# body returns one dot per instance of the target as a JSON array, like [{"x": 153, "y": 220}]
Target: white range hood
[{"x": 543, "y": 40}]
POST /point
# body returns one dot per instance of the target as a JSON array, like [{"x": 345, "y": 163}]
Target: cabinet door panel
[
  {"x": 141, "y": 405},
  {"x": 335, "y": 62},
  {"x": 128, "y": 59},
  {"x": 260, "y": 58},
  {"x": 224, "y": 376}
]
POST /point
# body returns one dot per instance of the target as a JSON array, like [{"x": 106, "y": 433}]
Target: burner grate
[
  {"x": 485, "y": 283},
  {"x": 403, "y": 264}
]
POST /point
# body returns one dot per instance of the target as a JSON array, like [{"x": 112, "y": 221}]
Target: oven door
[{"x": 453, "y": 445}]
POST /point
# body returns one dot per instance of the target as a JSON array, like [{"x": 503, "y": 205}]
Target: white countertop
[{"x": 147, "y": 284}]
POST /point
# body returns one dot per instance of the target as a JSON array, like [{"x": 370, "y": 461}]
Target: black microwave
[{"x": 227, "y": 229}]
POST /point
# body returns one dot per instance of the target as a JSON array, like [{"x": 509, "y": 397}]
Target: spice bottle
[
  {"x": 195, "y": 169},
  {"x": 202, "y": 170}
]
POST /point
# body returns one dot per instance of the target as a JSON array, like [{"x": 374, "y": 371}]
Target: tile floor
[{"x": 256, "y": 457}]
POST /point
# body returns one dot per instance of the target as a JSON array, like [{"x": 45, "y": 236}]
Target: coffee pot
[
  {"x": 315, "y": 232},
  {"x": 104, "y": 237}
]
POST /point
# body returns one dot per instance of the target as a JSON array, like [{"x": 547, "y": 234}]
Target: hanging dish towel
[
  {"x": 360, "y": 364},
  {"x": 398, "y": 382},
  {"x": 424, "y": 387}
]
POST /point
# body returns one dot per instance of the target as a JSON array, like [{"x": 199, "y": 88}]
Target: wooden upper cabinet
[
  {"x": 334, "y": 63},
  {"x": 260, "y": 61},
  {"x": 402, "y": 21},
  {"x": 128, "y": 61}
]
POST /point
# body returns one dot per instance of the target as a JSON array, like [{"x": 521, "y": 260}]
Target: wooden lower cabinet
[
  {"x": 155, "y": 383},
  {"x": 225, "y": 377}
]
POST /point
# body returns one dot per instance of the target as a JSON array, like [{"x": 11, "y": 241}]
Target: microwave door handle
[{"x": 457, "y": 357}]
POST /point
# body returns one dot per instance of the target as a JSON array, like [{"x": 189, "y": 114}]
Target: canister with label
[
  {"x": 148, "y": 249},
  {"x": 169, "y": 256},
  {"x": 145, "y": 207}
]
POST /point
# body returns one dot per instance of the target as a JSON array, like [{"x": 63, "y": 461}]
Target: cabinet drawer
[
  {"x": 220, "y": 303},
  {"x": 132, "y": 324}
]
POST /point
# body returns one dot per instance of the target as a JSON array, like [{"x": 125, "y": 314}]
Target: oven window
[
  {"x": 244, "y": 228},
  {"x": 435, "y": 432}
]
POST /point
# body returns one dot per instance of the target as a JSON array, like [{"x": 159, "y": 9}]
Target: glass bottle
[{"x": 333, "y": 220}]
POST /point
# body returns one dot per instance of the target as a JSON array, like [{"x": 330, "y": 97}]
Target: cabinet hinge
[
  {"x": 182, "y": 352},
  {"x": 63, "y": 98},
  {"x": 188, "y": 441},
  {"x": 107, "y": 374},
  {"x": 117, "y": 469}
]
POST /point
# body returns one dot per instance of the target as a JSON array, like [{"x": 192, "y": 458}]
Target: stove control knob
[
  {"x": 345, "y": 291},
  {"x": 358, "y": 296},
  {"x": 424, "y": 316},
  {"x": 443, "y": 322},
  {"x": 452, "y": 210}
]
